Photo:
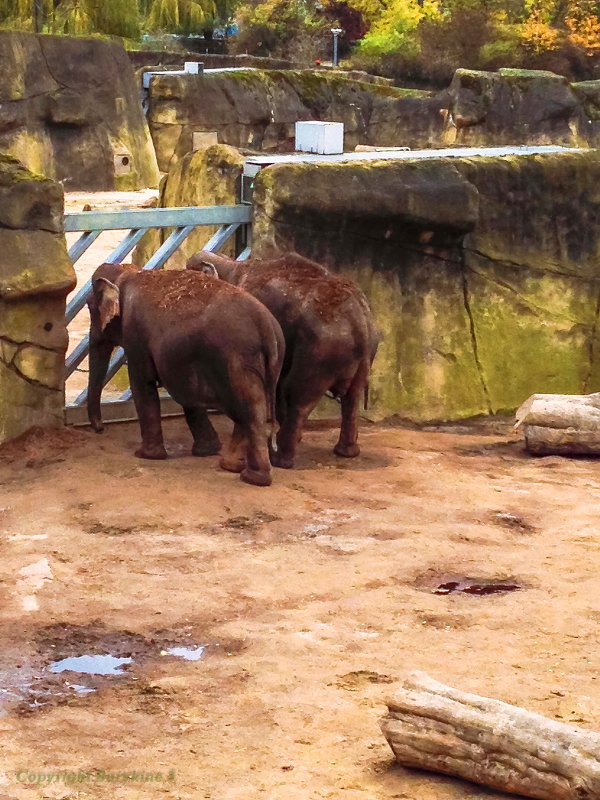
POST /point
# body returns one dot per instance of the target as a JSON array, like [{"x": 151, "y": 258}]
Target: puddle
[
  {"x": 91, "y": 665},
  {"x": 188, "y": 653},
  {"x": 69, "y": 662},
  {"x": 81, "y": 689},
  {"x": 476, "y": 587}
]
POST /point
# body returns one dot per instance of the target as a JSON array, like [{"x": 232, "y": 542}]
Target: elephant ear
[
  {"x": 209, "y": 269},
  {"x": 203, "y": 266},
  {"x": 108, "y": 300}
]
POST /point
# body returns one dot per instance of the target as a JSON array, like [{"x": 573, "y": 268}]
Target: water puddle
[
  {"x": 187, "y": 653},
  {"x": 91, "y": 664},
  {"x": 69, "y": 662}
]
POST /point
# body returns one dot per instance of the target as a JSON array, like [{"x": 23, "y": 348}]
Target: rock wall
[
  {"x": 210, "y": 176},
  {"x": 35, "y": 277},
  {"x": 70, "y": 109},
  {"x": 257, "y": 109},
  {"x": 522, "y": 107},
  {"x": 483, "y": 273}
]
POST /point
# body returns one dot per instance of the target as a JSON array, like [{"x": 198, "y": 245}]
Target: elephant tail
[
  {"x": 272, "y": 370},
  {"x": 366, "y": 390},
  {"x": 273, "y": 363}
]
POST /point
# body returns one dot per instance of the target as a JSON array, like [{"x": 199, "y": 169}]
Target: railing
[{"x": 92, "y": 223}]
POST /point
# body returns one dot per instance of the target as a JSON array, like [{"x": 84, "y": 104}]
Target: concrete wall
[{"x": 35, "y": 277}]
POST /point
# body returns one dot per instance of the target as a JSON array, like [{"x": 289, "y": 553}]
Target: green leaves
[
  {"x": 125, "y": 18},
  {"x": 181, "y": 16}
]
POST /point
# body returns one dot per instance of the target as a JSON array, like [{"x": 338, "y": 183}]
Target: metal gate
[{"x": 231, "y": 219}]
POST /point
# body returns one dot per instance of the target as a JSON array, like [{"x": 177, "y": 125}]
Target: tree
[
  {"x": 180, "y": 16},
  {"x": 283, "y": 28}
]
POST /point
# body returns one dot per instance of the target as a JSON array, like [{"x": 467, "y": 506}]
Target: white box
[
  {"x": 191, "y": 67},
  {"x": 326, "y": 138}
]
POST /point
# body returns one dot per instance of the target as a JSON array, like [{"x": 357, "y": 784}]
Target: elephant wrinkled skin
[
  {"x": 330, "y": 340},
  {"x": 208, "y": 343}
]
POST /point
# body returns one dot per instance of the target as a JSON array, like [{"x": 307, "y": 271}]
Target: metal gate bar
[
  {"x": 118, "y": 254},
  {"x": 184, "y": 221}
]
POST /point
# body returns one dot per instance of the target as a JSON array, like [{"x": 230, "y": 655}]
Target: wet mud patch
[
  {"x": 248, "y": 524},
  {"x": 71, "y": 662},
  {"x": 512, "y": 522},
  {"x": 476, "y": 587},
  {"x": 451, "y": 583},
  {"x": 508, "y": 451},
  {"x": 98, "y": 528},
  {"x": 357, "y": 680}
]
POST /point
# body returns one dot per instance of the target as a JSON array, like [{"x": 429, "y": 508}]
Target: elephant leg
[
  {"x": 347, "y": 445},
  {"x": 147, "y": 404},
  {"x": 234, "y": 459},
  {"x": 289, "y": 435},
  {"x": 302, "y": 395},
  {"x": 206, "y": 439},
  {"x": 246, "y": 404},
  {"x": 258, "y": 466}
]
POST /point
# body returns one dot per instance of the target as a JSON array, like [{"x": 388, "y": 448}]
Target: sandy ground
[{"x": 313, "y": 599}]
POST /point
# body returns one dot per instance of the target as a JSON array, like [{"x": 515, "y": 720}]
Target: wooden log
[
  {"x": 562, "y": 424},
  {"x": 433, "y": 727}
]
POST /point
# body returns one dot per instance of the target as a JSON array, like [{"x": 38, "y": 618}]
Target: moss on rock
[{"x": 210, "y": 176}]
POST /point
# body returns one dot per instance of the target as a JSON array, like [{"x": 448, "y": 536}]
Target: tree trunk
[
  {"x": 434, "y": 727},
  {"x": 566, "y": 424},
  {"x": 38, "y": 15}
]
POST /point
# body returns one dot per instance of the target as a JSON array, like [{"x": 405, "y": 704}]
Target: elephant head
[
  {"x": 214, "y": 264},
  {"x": 105, "y": 332}
]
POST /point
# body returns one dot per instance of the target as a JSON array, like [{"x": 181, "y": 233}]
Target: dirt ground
[{"x": 313, "y": 599}]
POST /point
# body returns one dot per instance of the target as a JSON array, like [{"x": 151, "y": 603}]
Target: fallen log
[
  {"x": 563, "y": 424},
  {"x": 433, "y": 727}
]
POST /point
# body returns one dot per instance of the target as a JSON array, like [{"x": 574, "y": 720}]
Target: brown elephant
[
  {"x": 330, "y": 337},
  {"x": 207, "y": 343}
]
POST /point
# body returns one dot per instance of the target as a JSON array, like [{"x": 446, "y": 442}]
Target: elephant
[
  {"x": 208, "y": 343},
  {"x": 330, "y": 337}
]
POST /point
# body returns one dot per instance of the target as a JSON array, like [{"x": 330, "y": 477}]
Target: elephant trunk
[{"x": 99, "y": 358}]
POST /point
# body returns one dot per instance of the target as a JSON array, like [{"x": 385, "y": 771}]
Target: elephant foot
[
  {"x": 97, "y": 426},
  {"x": 232, "y": 464},
  {"x": 346, "y": 450},
  {"x": 157, "y": 453},
  {"x": 202, "y": 449},
  {"x": 281, "y": 461},
  {"x": 256, "y": 477}
]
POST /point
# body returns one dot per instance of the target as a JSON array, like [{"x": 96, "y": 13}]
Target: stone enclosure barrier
[
  {"x": 257, "y": 109},
  {"x": 35, "y": 277},
  {"x": 70, "y": 110},
  {"x": 483, "y": 273}
]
